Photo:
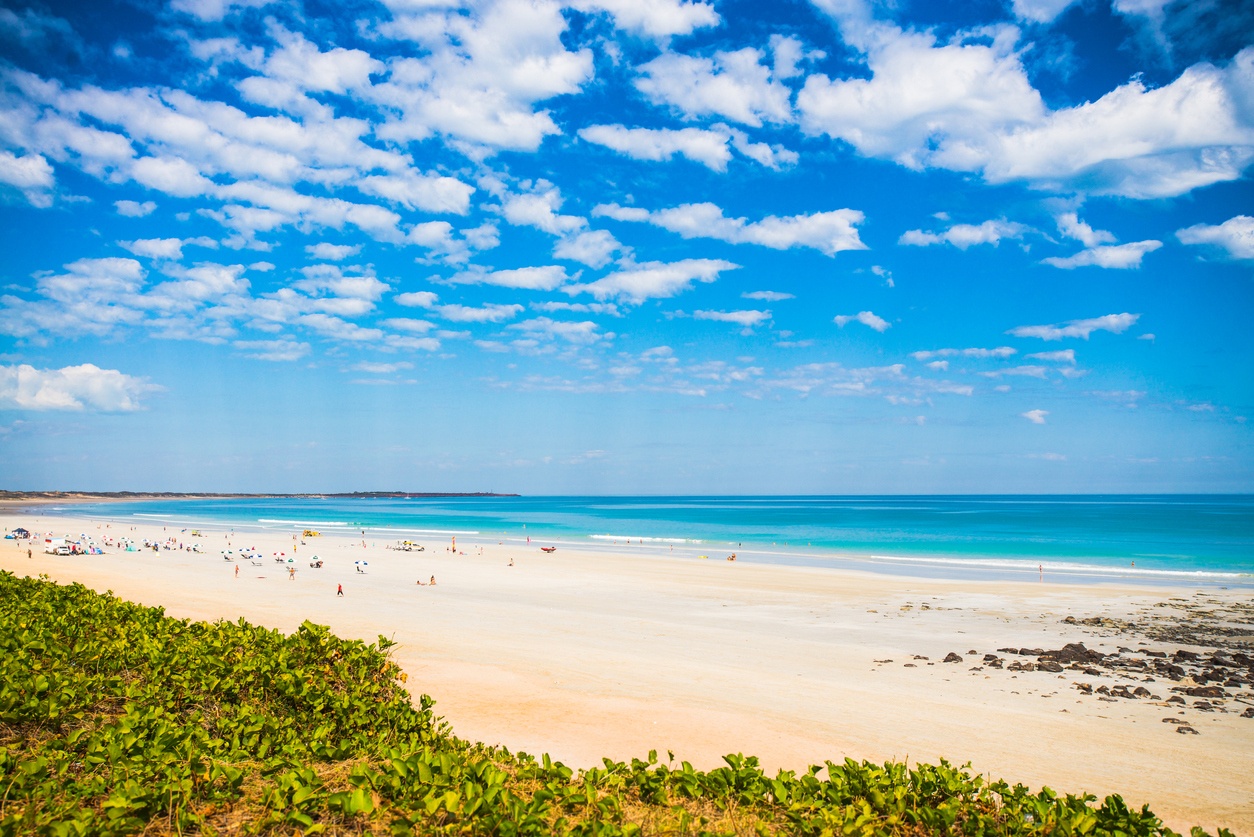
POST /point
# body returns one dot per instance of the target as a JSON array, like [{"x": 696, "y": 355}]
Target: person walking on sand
[
  {"x": 339, "y": 590},
  {"x": 237, "y": 570}
]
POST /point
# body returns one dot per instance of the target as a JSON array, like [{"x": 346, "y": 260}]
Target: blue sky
[{"x": 618, "y": 246}]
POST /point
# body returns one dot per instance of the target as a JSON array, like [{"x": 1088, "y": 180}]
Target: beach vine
[{"x": 116, "y": 719}]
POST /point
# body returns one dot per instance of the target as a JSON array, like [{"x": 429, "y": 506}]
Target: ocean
[{"x": 1191, "y": 539}]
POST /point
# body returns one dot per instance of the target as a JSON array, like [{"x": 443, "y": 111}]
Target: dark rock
[
  {"x": 1048, "y": 665},
  {"x": 1186, "y": 731},
  {"x": 951, "y": 657},
  {"x": 1249, "y": 713},
  {"x": 1174, "y": 721},
  {"x": 1156, "y": 653},
  {"x": 1205, "y": 691},
  {"x": 1031, "y": 652},
  {"x": 989, "y": 657},
  {"x": 973, "y": 651},
  {"x": 1073, "y": 652},
  {"x": 1086, "y": 688},
  {"x": 1018, "y": 666},
  {"x": 1184, "y": 655},
  {"x": 1141, "y": 691},
  {"x": 993, "y": 663},
  {"x": 1232, "y": 682},
  {"x": 1103, "y": 690},
  {"x": 1176, "y": 699},
  {"x": 1203, "y": 706},
  {"x": 1007, "y": 650},
  {"x": 1092, "y": 672},
  {"x": 909, "y": 665},
  {"x": 1070, "y": 620}
]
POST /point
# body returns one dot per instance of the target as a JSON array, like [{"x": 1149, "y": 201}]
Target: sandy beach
[{"x": 585, "y": 653}]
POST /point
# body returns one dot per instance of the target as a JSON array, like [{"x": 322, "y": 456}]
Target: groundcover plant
[{"x": 116, "y": 719}]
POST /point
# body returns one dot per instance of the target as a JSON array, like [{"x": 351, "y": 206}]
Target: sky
[{"x": 627, "y": 246}]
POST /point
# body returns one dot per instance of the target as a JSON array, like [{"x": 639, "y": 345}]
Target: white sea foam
[
  {"x": 1031, "y": 565},
  {"x": 637, "y": 538},
  {"x": 306, "y": 522}
]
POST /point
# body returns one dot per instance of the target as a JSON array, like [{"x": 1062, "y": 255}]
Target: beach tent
[{"x": 19, "y": 532}]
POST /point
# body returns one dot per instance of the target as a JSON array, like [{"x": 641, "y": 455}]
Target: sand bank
[{"x": 585, "y": 653}]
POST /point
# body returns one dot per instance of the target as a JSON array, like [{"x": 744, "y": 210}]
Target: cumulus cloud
[
  {"x": 1235, "y": 236},
  {"x": 867, "y": 318},
  {"x": 963, "y": 236},
  {"x": 659, "y": 19},
  {"x": 976, "y": 352},
  {"x": 29, "y": 174},
  {"x": 482, "y": 76},
  {"x": 581, "y": 333},
  {"x": 653, "y": 280},
  {"x": 592, "y": 247},
  {"x": 745, "y": 319},
  {"x": 1118, "y": 256},
  {"x": 74, "y": 388},
  {"x": 135, "y": 209},
  {"x": 545, "y": 278},
  {"x": 416, "y": 299},
  {"x": 539, "y": 209},
  {"x": 1114, "y": 323},
  {"x": 697, "y": 144},
  {"x": 332, "y": 252},
  {"x": 1070, "y": 225},
  {"x": 827, "y": 232},
  {"x": 732, "y": 85},
  {"x": 1035, "y": 416},
  {"x": 155, "y": 248},
  {"x": 486, "y": 313},
  {"x": 767, "y": 296},
  {"x": 1060, "y": 356},
  {"x": 968, "y": 105}
]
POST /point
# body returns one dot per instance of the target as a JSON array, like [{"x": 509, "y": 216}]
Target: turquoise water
[{"x": 1202, "y": 539}]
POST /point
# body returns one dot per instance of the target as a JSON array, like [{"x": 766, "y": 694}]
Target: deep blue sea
[{"x": 1171, "y": 539}]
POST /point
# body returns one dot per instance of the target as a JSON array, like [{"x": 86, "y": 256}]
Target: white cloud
[
  {"x": 211, "y": 10},
  {"x": 76, "y": 388},
  {"x": 1236, "y": 236},
  {"x": 653, "y": 280},
  {"x": 999, "y": 352},
  {"x": 331, "y": 279},
  {"x": 1039, "y": 11},
  {"x": 732, "y": 85},
  {"x": 544, "y": 278},
  {"x": 1114, "y": 323},
  {"x": 408, "y": 324},
  {"x": 592, "y": 247},
  {"x": 539, "y": 209},
  {"x": 332, "y": 252},
  {"x": 30, "y": 174},
  {"x": 444, "y": 244},
  {"x": 828, "y": 232},
  {"x": 416, "y": 299},
  {"x": 767, "y": 296},
  {"x": 1060, "y": 356},
  {"x": 579, "y": 307},
  {"x": 1035, "y": 416},
  {"x": 414, "y": 190},
  {"x": 487, "y": 313},
  {"x": 745, "y": 319},
  {"x": 967, "y": 105},
  {"x": 375, "y": 368},
  {"x": 482, "y": 74},
  {"x": 155, "y": 248},
  {"x": 963, "y": 236},
  {"x": 280, "y": 351},
  {"x": 867, "y": 318},
  {"x": 702, "y": 146},
  {"x": 1018, "y": 371},
  {"x": 1070, "y": 225},
  {"x": 134, "y": 209},
  {"x": 1118, "y": 256},
  {"x": 659, "y": 19},
  {"x": 581, "y": 333}
]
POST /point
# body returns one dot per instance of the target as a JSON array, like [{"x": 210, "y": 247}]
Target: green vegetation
[{"x": 115, "y": 719}]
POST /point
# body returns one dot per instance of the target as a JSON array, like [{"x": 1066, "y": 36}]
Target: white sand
[{"x": 584, "y": 654}]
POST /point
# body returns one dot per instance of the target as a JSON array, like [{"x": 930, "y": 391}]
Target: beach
[{"x": 591, "y": 652}]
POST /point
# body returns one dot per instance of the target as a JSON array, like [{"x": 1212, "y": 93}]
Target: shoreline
[
  {"x": 591, "y": 653},
  {"x": 915, "y": 565}
]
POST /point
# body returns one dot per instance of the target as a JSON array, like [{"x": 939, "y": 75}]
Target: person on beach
[
  {"x": 339, "y": 590},
  {"x": 431, "y": 583},
  {"x": 237, "y": 570}
]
